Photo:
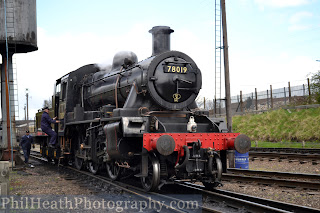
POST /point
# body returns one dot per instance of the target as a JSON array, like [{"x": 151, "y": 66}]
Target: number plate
[{"x": 176, "y": 69}]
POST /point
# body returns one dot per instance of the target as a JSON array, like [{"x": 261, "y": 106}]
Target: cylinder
[
  {"x": 241, "y": 160},
  {"x": 160, "y": 39}
]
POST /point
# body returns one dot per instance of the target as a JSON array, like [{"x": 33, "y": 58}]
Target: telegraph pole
[
  {"x": 27, "y": 117},
  {"x": 226, "y": 65},
  {"x": 25, "y": 112}
]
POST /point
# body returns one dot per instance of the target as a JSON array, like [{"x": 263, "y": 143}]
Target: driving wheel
[
  {"x": 113, "y": 170},
  {"x": 93, "y": 167},
  {"x": 151, "y": 182},
  {"x": 217, "y": 173}
]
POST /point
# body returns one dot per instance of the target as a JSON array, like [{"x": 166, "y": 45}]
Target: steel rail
[
  {"x": 281, "y": 206},
  {"x": 285, "y": 155},
  {"x": 141, "y": 193},
  {"x": 276, "y": 174},
  {"x": 288, "y": 150},
  {"x": 126, "y": 189},
  {"x": 232, "y": 201},
  {"x": 228, "y": 200},
  {"x": 272, "y": 181}
]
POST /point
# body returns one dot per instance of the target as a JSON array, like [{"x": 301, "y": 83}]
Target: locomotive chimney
[{"x": 160, "y": 39}]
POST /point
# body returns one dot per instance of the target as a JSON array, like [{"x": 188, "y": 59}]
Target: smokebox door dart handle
[
  {"x": 176, "y": 78},
  {"x": 189, "y": 82}
]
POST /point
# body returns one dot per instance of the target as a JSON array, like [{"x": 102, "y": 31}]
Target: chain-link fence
[{"x": 264, "y": 100}]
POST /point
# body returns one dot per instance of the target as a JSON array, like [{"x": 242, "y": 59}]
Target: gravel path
[{"x": 43, "y": 181}]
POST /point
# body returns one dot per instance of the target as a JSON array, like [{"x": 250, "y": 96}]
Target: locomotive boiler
[{"x": 140, "y": 117}]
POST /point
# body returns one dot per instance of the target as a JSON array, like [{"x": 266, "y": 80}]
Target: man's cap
[
  {"x": 45, "y": 108},
  {"x": 27, "y": 131}
]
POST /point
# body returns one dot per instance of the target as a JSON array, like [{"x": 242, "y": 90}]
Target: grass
[
  {"x": 285, "y": 126},
  {"x": 287, "y": 144}
]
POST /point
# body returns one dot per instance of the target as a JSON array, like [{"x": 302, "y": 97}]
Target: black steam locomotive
[{"x": 141, "y": 118}]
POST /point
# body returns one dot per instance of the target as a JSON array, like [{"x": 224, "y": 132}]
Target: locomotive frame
[{"x": 140, "y": 118}]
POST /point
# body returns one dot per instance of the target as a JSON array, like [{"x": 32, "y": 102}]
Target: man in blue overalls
[
  {"x": 25, "y": 143},
  {"x": 46, "y": 122}
]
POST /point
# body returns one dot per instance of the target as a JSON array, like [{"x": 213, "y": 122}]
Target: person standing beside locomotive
[
  {"x": 25, "y": 143},
  {"x": 46, "y": 122}
]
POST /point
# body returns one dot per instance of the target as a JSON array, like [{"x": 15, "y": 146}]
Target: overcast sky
[{"x": 270, "y": 41}]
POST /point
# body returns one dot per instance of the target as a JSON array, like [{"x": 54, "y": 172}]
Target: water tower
[{"x": 18, "y": 34}]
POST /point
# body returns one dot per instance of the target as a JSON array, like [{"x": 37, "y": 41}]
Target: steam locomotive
[{"x": 141, "y": 118}]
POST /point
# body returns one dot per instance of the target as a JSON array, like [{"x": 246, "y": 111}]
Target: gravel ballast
[{"x": 46, "y": 180}]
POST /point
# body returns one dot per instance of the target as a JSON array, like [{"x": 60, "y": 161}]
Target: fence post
[
  {"x": 252, "y": 102},
  {"x": 268, "y": 99},
  {"x": 256, "y": 99},
  {"x": 204, "y": 102},
  {"x": 271, "y": 96},
  {"x": 285, "y": 96},
  {"x": 241, "y": 103},
  {"x": 289, "y": 92},
  {"x": 309, "y": 91}
]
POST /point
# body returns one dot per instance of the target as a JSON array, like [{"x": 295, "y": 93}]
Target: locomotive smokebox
[{"x": 160, "y": 39}]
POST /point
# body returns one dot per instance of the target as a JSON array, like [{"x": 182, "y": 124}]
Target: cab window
[
  {"x": 58, "y": 89},
  {"x": 63, "y": 91}
]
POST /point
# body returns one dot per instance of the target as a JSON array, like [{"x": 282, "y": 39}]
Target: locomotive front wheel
[
  {"x": 151, "y": 182},
  {"x": 93, "y": 167},
  {"x": 217, "y": 173},
  {"x": 113, "y": 170}
]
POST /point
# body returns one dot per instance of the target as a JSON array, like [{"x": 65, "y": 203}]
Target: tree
[
  {"x": 47, "y": 103},
  {"x": 204, "y": 103},
  {"x": 315, "y": 86},
  {"x": 248, "y": 102}
]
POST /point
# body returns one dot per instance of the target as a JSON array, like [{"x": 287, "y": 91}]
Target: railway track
[
  {"x": 213, "y": 201},
  {"x": 286, "y": 150},
  {"x": 276, "y": 205},
  {"x": 273, "y": 178},
  {"x": 283, "y": 155},
  {"x": 288, "y": 175}
]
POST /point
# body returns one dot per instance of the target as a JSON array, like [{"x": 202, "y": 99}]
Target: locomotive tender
[{"x": 141, "y": 118}]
